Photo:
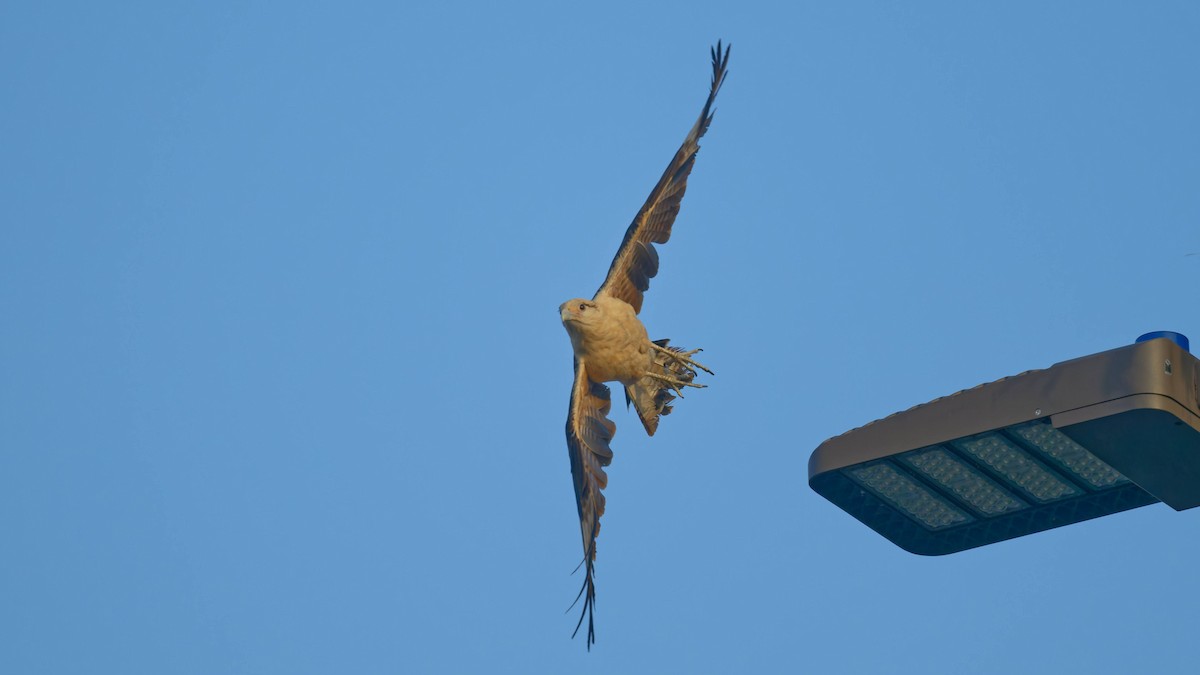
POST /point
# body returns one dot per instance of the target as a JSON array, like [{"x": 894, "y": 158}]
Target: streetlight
[{"x": 1081, "y": 439}]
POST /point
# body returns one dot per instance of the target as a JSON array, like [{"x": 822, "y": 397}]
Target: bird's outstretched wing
[
  {"x": 636, "y": 261},
  {"x": 588, "y": 434}
]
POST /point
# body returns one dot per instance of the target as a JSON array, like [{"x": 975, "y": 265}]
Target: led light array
[{"x": 986, "y": 476}]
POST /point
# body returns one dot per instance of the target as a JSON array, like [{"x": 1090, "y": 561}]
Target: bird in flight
[{"x": 611, "y": 345}]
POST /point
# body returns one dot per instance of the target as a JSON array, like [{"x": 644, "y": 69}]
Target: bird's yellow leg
[
  {"x": 685, "y": 357},
  {"x": 674, "y": 383}
]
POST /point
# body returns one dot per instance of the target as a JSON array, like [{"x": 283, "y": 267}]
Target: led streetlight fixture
[{"x": 1082, "y": 439}]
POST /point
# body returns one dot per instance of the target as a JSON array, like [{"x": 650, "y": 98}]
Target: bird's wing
[
  {"x": 588, "y": 434},
  {"x": 636, "y": 261}
]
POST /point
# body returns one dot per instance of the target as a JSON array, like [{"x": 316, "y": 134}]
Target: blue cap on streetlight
[{"x": 1178, "y": 338}]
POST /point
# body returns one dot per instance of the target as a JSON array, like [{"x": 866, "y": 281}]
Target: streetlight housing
[{"x": 1081, "y": 439}]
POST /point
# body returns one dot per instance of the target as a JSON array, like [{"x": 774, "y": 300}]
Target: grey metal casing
[{"x": 1137, "y": 408}]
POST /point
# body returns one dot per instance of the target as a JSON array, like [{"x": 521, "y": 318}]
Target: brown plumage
[{"x": 611, "y": 345}]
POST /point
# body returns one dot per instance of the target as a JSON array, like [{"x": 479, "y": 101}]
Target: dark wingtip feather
[
  {"x": 720, "y": 65},
  {"x": 720, "y": 61},
  {"x": 588, "y": 593}
]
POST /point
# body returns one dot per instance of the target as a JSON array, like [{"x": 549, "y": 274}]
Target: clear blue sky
[{"x": 282, "y": 380}]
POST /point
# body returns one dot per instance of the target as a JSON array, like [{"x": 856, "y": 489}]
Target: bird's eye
[{"x": 582, "y": 306}]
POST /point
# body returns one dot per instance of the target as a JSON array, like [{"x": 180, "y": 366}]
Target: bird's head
[{"x": 578, "y": 313}]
